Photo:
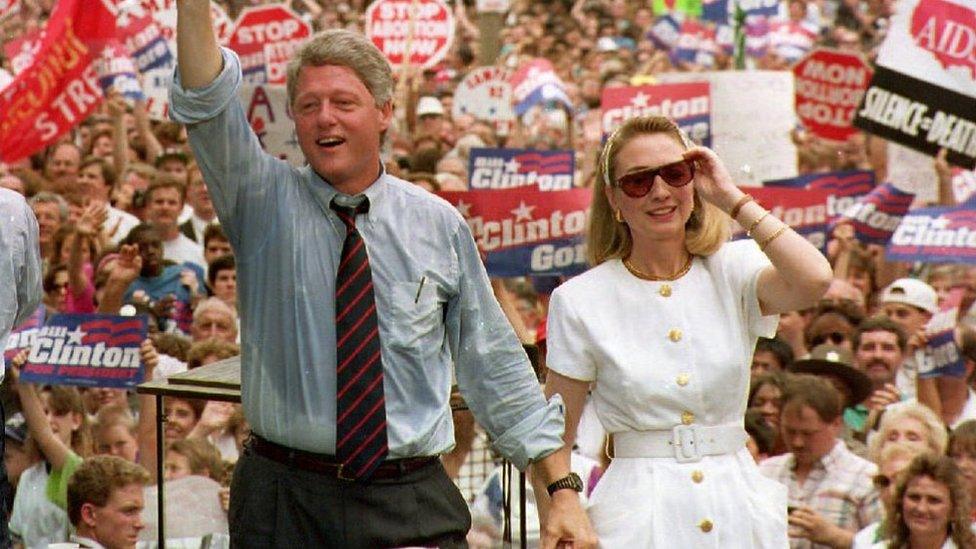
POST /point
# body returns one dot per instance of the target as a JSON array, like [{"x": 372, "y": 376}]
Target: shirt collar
[
  {"x": 827, "y": 460},
  {"x": 326, "y": 192}
]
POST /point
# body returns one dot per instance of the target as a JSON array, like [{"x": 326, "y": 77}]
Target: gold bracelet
[
  {"x": 762, "y": 246},
  {"x": 738, "y": 205},
  {"x": 756, "y": 223}
]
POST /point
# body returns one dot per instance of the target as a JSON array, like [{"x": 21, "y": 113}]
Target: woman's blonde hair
[
  {"x": 937, "y": 438},
  {"x": 705, "y": 231}
]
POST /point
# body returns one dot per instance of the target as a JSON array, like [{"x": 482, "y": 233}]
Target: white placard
[
  {"x": 266, "y": 107},
  {"x": 912, "y": 171},
  {"x": 752, "y": 117}
]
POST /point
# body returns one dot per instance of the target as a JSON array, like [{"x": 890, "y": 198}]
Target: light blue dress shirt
[
  {"x": 20, "y": 265},
  {"x": 434, "y": 301}
]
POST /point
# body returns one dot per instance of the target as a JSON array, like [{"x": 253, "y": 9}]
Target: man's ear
[{"x": 88, "y": 514}]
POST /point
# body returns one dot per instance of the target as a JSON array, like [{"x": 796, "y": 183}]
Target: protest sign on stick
[
  {"x": 829, "y": 86},
  {"x": 411, "y": 32},
  {"x": 265, "y": 37}
]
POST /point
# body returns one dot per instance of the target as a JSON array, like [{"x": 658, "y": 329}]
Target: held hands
[
  {"x": 567, "y": 524},
  {"x": 712, "y": 180},
  {"x": 808, "y": 524}
]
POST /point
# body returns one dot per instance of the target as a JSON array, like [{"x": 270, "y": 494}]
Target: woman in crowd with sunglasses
[
  {"x": 664, "y": 326},
  {"x": 931, "y": 508}
]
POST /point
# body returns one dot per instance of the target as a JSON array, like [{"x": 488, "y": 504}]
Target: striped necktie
[{"x": 361, "y": 443}]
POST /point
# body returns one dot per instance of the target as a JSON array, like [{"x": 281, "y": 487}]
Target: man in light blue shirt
[
  {"x": 434, "y": 308},
  {"x": 20, "y": 284}
]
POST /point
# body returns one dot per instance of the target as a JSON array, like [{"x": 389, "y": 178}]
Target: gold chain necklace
[{"x": 644, "y": 276}]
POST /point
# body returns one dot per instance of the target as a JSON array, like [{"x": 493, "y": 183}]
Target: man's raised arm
[{"x": 198, "y": 56}]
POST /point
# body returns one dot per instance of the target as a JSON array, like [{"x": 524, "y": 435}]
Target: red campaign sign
[
  {"x": 948, "y": 31},
  {"x": 60, "y": 88},
  {"x": 424, "y": 27},
  {"x": 829, "y": 87},
  {"x": 689, "y": 105},
  {"x": 265, "y": 39}
]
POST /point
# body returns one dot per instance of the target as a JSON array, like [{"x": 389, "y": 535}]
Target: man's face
[
  {"x": 912, "y": 319},
  {"x": 199, "y": 199},
  {"x": 225, "y": 286},
  {"x": 339, "y": 125},
  {"x": 807, "y": 436},
  {"x": 92, "y": 179},
  {"x": 117, "y": 524},
  {"x": 163, "y": 207},
  {"x": 215, "y": 248},
  {"x": 878, "y": 356},
  {"x": 151, "y": 251},
  {"x": 213, "y": 325},
  {"x": 48, "y": 216},
  {"x": 62, "y": 165}
]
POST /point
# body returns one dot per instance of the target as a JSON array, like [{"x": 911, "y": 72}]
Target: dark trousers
[{"x": 273, "y": 505}]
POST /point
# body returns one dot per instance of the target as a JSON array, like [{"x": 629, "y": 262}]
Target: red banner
[{"x": 60, "y": 87}]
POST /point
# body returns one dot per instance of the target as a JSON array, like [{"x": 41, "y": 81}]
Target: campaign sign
[
  {"x": 791, "y": 40},
  {"x": 265, "y": 38},
  {"x": 267, "y": 112},
  {"x": 696, "y": 44},
  {"x": 494, "y": 169},
  {"x": 844, "y": 187},
  {"x": 942, "y": 356},
  {"x": 936, "y": 235},
  {"x": 411, "y": 32},
  {"x": 876, "y": 215},
  {"x": 23, "y": 334},
  {"x": 144, "y": 39},
  {"x": 536, "y": 83},
  {"x": 963, "y": 185},
  {"x": 486, "y": 94},
  {"x": 665, "y": 31},
  {"x": 805, "y": 211},
  {"x": 689, "y": 105},
  {"x": 91, "y": 350},
  {"x": 525, "y": 231},
  {"x": 920, "y": 115},
  {"x": 116, "y": 71},
  {"x": 829, "y": 87}
]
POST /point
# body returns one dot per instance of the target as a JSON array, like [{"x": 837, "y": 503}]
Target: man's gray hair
[
  {"x": 45, "y": 197},
  {"x": 348, "y": 49}
]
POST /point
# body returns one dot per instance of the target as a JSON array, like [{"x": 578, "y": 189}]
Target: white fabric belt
[{"x": 685, "y": 443}]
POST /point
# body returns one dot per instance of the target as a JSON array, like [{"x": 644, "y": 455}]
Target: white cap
[
  {"x": 910, "y": 291},
  {"x": 429, "y": 105}
]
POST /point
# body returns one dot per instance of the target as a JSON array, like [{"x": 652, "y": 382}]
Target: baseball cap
[
  {"x": 911, "y": 291},
  {"x": 429, "y": 105}
]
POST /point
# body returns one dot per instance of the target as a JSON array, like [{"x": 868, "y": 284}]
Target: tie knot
[{"x": 348, "y": 213}]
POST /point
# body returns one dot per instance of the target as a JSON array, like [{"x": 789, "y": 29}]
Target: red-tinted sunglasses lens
[{"x": 638, "y": 184}]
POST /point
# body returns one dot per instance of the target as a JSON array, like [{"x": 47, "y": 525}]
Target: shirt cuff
[
  {"x": 189, "y": 106},
  {"x": 535, "y": 437}
]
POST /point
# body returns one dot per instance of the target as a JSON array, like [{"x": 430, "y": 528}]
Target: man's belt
[{"x": 327, "y": 465}]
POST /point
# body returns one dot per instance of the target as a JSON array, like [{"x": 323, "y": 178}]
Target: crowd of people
[{"x": 870, "y": 452}]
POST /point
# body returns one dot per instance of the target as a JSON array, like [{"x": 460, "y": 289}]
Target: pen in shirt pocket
[{"x": 423, "y": 279}]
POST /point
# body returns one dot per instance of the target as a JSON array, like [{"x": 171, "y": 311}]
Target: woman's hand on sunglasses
[{"x": 712, "y": 180}]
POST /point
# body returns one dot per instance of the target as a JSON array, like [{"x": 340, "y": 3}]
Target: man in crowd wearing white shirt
[
  {"x": 97, "y": 177},
  {"x": 164, "y": 201},
  {"x": 105, "y": 502},
  {"x": 201, "y": 207}
]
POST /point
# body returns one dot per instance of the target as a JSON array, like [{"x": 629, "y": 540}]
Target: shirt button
[
  {"x": 665, "y": 290},
  {"x": 697, "y": 476},
  {"x": 705, "y": 525},
  {"x": 687, "y": 417},
  {"x": 682, "y": 379},
  {"x": 674, "y": 335}
]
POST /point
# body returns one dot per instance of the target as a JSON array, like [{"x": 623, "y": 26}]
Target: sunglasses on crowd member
[
  {"x": 639, "y": 183},
  {"x": 837, "y": 338},
  {"x": 880, "y": 481}
]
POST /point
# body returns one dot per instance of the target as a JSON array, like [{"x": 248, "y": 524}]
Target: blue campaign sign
[
  {"x": 91, "y": 350},
  {"x": 941, "y": 355},
  {"x": 939, "y": 235},
  {"x": 876, "y": 215},
  {"x": 495, "y": 169}
]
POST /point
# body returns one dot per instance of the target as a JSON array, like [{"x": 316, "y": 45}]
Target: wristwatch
[{"x": 570, "y": 481}]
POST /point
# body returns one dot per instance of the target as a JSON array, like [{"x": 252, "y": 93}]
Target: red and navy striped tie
[{"x": 361, "y": 443}]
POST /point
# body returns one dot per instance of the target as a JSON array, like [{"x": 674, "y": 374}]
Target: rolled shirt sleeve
[{"x": 493, "y": 371}]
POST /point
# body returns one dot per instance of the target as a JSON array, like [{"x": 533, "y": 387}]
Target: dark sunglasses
[
  {"x": 881, "y": 482},
  {"x": 639, "y": 183},
  {"x": 836, "y": 338}
]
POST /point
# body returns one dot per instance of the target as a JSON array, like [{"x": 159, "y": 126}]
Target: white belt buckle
[{"x": 686, "y": 443}]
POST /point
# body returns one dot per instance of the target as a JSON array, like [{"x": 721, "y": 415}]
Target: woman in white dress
[{"x": 663, "y": 326}]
